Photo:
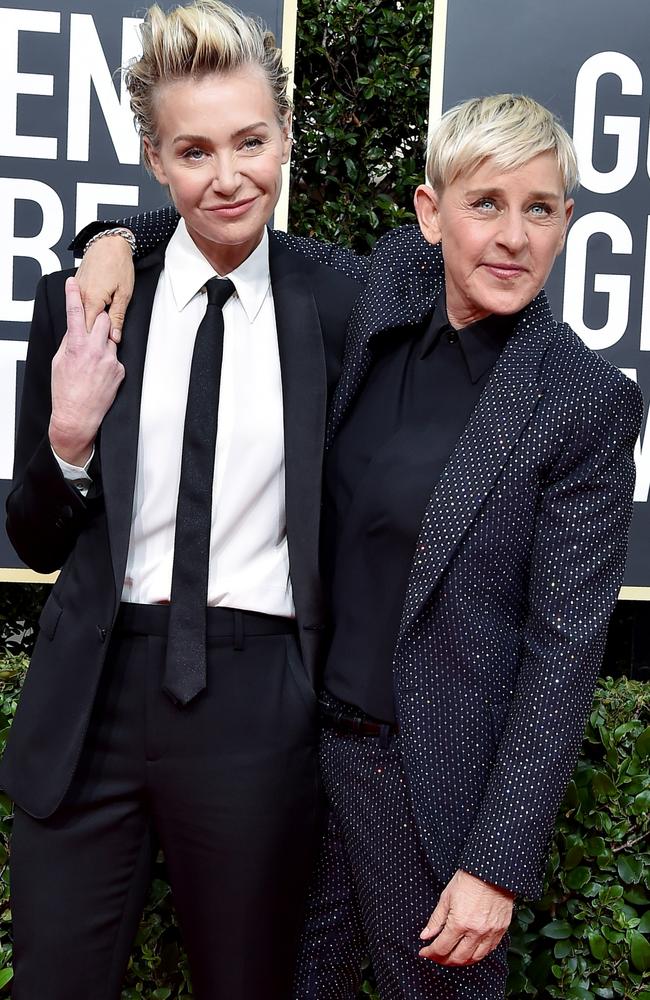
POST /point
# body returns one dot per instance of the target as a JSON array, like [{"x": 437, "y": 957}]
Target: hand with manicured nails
[
  {"x": 86, "y": 375},
  {"x": 106, "y": 278},
  {"x": 469, "y": 921}
]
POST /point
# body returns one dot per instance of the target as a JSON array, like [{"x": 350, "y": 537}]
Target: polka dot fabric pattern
[
  {"x": 516, "y": 570},
  {"x": 375, "y": 889}
]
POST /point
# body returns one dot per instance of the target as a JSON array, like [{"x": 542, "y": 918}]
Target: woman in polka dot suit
[{"x": 478, "y": 492}]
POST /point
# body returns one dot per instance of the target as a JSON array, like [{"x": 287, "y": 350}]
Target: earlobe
[
  {"x": 568, "y": 214},
  {"x": 426, "y": 208},
  {"x": 154, "y": 161},
  {"x": 287, "y": 139}
]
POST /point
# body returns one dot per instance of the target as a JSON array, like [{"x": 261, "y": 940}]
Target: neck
[{"x": 225, "y": 258}]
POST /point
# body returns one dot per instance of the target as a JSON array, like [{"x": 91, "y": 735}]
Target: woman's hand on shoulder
[{"x": 106, "y": 278}]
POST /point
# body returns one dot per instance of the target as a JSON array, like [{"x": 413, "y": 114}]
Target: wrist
[
  {"x": 121, "y": 232},
  {"x": 506, "y": 893},
  {"x": 69, "y": 444}
]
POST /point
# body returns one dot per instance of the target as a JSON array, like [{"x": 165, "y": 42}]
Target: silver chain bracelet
[{"x": 126, "y": 234}]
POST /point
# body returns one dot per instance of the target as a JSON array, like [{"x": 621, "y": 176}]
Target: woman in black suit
[{"x": 170, "y": 700}]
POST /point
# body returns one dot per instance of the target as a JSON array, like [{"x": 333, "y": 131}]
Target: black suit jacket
[{"x": 52, "y": 526}]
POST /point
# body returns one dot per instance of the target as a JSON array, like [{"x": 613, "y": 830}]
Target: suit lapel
[
  {"x": 503, "y": 411},
  {"x": 119, "y": 432},
  {"x": 403, "y": 285},
  {"x": 304, "y": 389}
]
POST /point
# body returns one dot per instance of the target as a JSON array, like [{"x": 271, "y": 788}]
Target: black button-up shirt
[{"x": 424, "y": 383}]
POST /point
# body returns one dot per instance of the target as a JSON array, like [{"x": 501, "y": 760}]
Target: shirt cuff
[{"x": 76, "y": 475}]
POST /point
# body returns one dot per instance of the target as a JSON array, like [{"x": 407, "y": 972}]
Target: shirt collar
[
  {"x": 188, "y": 271},
  {"x": 480, "y": 343}
]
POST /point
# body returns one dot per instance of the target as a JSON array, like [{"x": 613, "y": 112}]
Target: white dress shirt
[{"x": 249, "y": 559}]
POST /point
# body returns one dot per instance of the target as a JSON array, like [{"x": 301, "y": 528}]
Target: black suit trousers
[{"x": 226, "y": 786}]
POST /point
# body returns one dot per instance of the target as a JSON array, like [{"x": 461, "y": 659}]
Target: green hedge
[
  {"x": 588, "y": 936},
  {"x": 361, "y": 104}
]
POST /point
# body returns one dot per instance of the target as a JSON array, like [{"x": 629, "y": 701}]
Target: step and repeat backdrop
[
  {"x": 70, "y": 154},
  {"x": 589, "y": 61}
]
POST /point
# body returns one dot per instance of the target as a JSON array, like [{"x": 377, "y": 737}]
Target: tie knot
[{"x": 219, "y": 291}]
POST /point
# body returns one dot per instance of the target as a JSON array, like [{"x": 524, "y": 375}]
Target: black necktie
[{"x": 186, "y": 659}]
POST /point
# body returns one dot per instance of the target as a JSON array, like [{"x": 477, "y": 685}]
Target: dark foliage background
[{"x": 361, "y": 104}]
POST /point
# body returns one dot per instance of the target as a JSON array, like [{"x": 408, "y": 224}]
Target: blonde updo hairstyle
[
  {"x": 190, "y": 42},
  {"x": 509, "y": 128}
]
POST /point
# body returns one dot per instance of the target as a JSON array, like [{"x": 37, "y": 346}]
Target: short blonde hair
[
  {"x": 205, "y": 37},
  {"x": 510, "y": 128}
]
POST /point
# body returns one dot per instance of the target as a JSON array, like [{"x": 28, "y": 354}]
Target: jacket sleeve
[
  {"x": 349, "y": 263},
  {"x": 149, "y": 228},
  {"x": 577, "y": 567},
  {"x": 44, "y": 512},
  {"x": 155, "y": 227}
]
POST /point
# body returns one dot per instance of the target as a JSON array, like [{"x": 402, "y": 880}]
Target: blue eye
[
  {"x": 539, "y": 208},
  {"x": 485, "y": 203},
  {"x": 252, "y": 142},
  {"x": 193, "y": 154}
]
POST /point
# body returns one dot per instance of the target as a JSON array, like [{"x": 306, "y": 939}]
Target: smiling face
[
  {"x": 220, "y": 151},
  {"x": 500, "y": 230}
]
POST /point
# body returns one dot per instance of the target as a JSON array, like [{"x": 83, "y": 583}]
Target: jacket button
[{"x": 103, "y": 632}]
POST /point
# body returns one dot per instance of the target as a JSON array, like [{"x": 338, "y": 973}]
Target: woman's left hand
[
  {"x": 469, "y": 921},
  {"x": 106, "y": 278}
]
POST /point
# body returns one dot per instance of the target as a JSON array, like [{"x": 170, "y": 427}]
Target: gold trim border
[
  {"x": 634, "y": 594},
  {"x": 438, "y": 47},
  {"x": 289, "y": 26},
  {"x": 25, "y": 576}
]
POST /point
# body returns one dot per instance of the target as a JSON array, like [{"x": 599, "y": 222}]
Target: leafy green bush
[
  {"x": 587, "y": 937},
  {"x": 20, "y": 606},
  {"x": 12, "y": 670},
  {"x": 361, "y": 104}
]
